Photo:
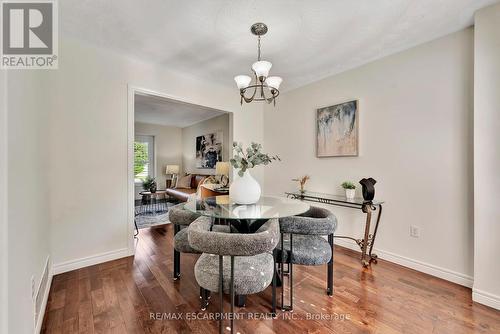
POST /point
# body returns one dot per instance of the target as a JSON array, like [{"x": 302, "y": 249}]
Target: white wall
[
  {"x": 88, "y": 144},
  {"x": 3, "y": 204},
  {"x": 415, "y": 110},
  {"x": 28, "y": 189},
  {"x": 487, "y": 157},
  {"x": 189, "y": 134},
  {"x": 168, "y": 147}
]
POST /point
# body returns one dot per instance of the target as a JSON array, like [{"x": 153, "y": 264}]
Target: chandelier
[{"x": 264, "y": 88}]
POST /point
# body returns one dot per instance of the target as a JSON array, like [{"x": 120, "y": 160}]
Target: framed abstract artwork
[
  {"x": 208, "y": 150},
  {"x": 337, "y": 130}
]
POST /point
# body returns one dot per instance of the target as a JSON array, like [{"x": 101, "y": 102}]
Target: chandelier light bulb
[
  {"x": 274, "y": 82},
  {"x": 261, "y": 68},
  {"x": 242, "y": 81}
]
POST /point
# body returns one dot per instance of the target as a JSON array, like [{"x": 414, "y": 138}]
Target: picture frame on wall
[
  {"x": 337, "y": 130},
  {"x": 209, "y": 150}
]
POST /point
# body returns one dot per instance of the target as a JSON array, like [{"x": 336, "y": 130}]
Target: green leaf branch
[{"x": 250, "y": 157}]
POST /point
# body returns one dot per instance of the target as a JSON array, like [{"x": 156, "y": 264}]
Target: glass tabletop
[
  {"x": 266, "y": 208},
  {"x": 330, "y": 197}
]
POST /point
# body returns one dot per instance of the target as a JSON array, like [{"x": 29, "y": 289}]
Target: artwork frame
[
  {"x": 337, "y": 130},
  {"x": 208, "y": 150}
]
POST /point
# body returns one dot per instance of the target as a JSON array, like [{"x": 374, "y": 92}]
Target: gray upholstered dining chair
[
  {"x": 181, "y": 219},
  {"x": 235, "y": 263},
  {"x": 306, "y": 245}
]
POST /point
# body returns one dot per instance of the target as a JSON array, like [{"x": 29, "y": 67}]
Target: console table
[{"x": 367, "y": 207}]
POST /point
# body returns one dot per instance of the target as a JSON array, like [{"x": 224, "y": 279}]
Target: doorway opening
[{"x": 174, "y": 147}]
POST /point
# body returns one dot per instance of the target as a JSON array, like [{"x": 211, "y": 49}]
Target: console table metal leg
[
  {"x": 368, "y": 210},
  {"x": 373, "y": 257}
]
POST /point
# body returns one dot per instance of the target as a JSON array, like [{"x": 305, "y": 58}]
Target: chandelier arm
[
  {"x": 249, "y": 99},
  {"x": 262, "y": 95},
  {"x": 267, "y": 99},
  {"x": 274, "y": 93}
]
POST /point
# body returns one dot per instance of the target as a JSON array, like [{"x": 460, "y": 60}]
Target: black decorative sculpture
[{"x": 368, "y": 188}]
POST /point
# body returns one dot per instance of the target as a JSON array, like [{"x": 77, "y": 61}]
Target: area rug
[{"x": 148, "y": 218}]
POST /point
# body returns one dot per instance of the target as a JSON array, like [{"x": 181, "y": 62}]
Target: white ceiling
[
  {"x": 307, "y": 40},
  {"x": 156, "y": 110}
]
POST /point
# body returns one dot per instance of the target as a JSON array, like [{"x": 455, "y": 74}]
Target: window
[{"x": 143, "y": 158}]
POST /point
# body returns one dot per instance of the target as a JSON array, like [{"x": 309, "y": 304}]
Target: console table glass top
[
  {"x": 266, "y": 208},
  {"x": 326, "y": 198}
]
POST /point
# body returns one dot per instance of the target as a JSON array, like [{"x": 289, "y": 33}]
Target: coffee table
[{"x": 151, "y": 203}]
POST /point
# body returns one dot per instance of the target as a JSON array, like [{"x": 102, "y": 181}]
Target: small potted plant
[
  {"x": 302, "y": 182},
  {"x": 350, "y": 189},
  {"x": 149, "y": 184}
]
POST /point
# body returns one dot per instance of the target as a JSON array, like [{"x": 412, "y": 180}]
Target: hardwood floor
[{"x": 120, "y": 296}]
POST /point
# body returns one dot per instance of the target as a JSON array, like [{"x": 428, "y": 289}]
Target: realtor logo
[{"x": 29, "y": 34}]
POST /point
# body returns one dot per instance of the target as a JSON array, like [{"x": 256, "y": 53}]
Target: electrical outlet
[
  {"x": 414, "y": 231},
  {"x": 33, "y": 287}
]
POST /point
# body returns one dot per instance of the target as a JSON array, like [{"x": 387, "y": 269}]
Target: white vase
[
  {"x": 350, "y": 193},
  {"x": 244, "y": 189}
]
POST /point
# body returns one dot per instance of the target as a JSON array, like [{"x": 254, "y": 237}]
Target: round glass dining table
[{"x": 247, "y": 218}]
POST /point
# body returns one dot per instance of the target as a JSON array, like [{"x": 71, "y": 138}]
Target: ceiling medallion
[{"x": 265, "y": 88}]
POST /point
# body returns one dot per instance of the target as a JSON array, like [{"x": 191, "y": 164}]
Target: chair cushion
[
  {"x": 236, "y": 244},
  {"x": 315, "y": 221},
  {"x": 252, "y": 274},
  {"x": 307, "y": 250},
  {"x": 180, "y": 216},
  {"x": 181, "y": 243}
]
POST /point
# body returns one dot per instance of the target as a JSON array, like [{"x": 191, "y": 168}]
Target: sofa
[{"x": 182, "y": 194}]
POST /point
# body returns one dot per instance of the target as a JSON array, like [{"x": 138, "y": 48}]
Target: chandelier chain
[{"x": 258, "y": 47}]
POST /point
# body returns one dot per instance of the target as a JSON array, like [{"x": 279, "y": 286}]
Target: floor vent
[{"x": 41, "y": 291}]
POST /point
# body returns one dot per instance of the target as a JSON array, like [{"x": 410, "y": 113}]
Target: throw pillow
[
  {"x": 210, "y": 180},
  {"x": 185, "y": 181}
]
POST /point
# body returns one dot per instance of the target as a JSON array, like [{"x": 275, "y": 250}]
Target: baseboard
[
  {"x": 43, "y": 308},
  {"x": 63, "y": 267},
  {"x": 427, "y": 268},
  {"x": 486, "y": 298}
]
